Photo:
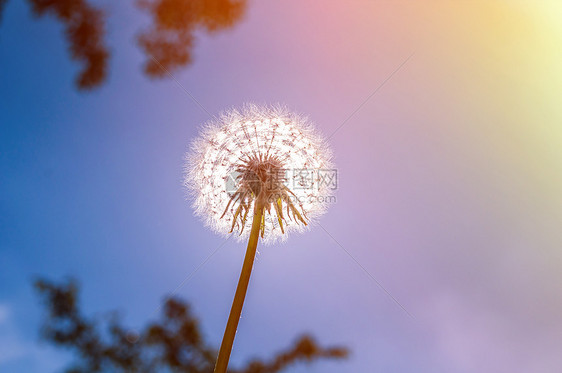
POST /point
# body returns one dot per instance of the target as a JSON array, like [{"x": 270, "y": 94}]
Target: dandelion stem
[{"x": 238, "y": 302}]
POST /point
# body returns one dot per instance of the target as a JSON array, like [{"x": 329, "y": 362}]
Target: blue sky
[{"x": 449, "y": 189}]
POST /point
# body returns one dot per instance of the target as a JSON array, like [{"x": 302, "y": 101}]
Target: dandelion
[{"x": 260, "y": 164}]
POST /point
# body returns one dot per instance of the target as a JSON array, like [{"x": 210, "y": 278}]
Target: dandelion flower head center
[{"x": 261, "y": 176}]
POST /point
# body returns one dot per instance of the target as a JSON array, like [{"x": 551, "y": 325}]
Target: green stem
[{"x": 238, "y": 302}]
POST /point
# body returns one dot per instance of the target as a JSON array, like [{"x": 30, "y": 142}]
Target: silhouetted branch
[
  {"x": 84, "y": 29},
  {"x": 174, "y": 343},
  {"x": 305, "y": 349},
  {"x": 170, "y": 39},
  {"x": 2, "y": 3},
  {"x": 168, "y": 43}
]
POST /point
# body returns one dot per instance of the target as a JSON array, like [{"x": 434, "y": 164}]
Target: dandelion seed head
[{"x": 258, "y": 153}]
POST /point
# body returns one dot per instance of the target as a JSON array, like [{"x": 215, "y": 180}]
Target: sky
[{"x": 442, "y": 253}]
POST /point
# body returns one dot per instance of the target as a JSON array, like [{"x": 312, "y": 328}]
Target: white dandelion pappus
[{"x": 264, "y": 153}]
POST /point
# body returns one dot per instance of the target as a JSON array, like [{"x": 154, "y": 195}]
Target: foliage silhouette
[
  {"x": 168, "y": 43},
  {"x": 84, "y": 29},
  {"x": 2, "y": 3},
  {"x": 172, "y": 344}
]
